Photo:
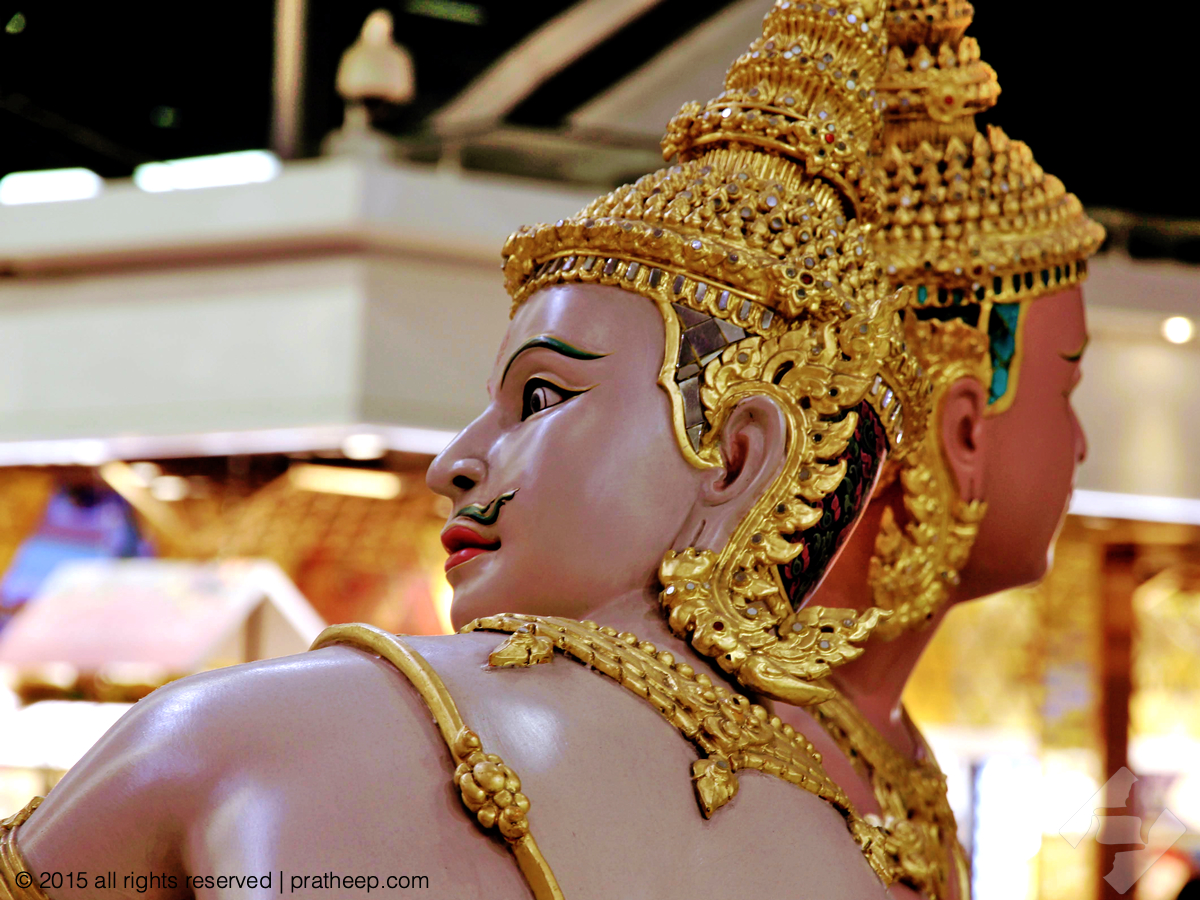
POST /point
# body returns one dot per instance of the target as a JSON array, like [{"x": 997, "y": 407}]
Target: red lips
[{"x": 463, "y": 544}]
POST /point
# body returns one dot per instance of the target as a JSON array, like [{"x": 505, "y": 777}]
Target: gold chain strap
[
  {"x": 920, "y": 834},
  {"x": 489, "y": 788}
]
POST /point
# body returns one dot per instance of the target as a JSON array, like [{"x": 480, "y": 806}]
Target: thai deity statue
[
  {"x": 705, "y": 375},
  {"x": 994, "y": 251}
]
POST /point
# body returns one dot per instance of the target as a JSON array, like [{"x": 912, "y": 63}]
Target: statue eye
[{"x": 542, "y": 395}]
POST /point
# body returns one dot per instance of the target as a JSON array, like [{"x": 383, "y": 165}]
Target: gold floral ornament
[
  {"x": 756, "y": 247},
  {"x": 913, "y": 569},
  {"x": 490, "y": 789},
  {"x": 978, "y": 231},
  {"x": 730, "y": 731}
]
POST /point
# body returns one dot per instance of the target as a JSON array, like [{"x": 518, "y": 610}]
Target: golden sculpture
[
  {"x": 978, "y": 230},
  {"x": 756, "y": 248}
]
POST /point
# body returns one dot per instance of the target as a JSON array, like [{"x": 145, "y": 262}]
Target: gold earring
[{"x": 914, "y": 569}]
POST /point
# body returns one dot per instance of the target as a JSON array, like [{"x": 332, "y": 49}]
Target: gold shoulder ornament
[
  {"x": 920, "y": 837},
  {"x": 730, "y": 731},
  {"x": 489, "y": 789}
]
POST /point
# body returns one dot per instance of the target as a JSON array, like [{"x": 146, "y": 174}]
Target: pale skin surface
[
  {"x": 1022, "y": 464},
  {"x": 329, "y": 761}
]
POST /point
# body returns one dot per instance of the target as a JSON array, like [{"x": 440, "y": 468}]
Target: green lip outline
[{"x": 486, "y": 515}]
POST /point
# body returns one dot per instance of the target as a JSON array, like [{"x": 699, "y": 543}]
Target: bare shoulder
[
  {"x": 228, "y": 771},
  {"x": 330, "y": 761}
]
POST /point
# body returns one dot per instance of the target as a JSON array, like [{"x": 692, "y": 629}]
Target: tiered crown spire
[
  {"x": 970, "y": 218},
  {"x": 935, "y": 82},
  {"x": 805, "y": 90}
]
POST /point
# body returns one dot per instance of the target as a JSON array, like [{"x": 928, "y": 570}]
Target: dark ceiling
[{"x": 107, "y": 86}]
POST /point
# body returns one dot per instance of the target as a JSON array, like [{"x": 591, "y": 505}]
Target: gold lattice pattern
[{"x": 969, "y": 217}]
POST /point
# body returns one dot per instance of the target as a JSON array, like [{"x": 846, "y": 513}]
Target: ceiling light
[
  {"x": 49, "y": 186},
  {"x": 1178, "y": 329},
  {"x": 221, "y": 170},
  {"x": 352, "y": 482},
  {"x": 364, "y": 446}
]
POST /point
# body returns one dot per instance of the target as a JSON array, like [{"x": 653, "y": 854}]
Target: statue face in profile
[
  {"x": 1033, "y": 449},
  {"x": 570, "y": 486}
]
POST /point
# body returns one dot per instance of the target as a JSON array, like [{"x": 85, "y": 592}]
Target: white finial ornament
[{"x": 375, "y": 66}]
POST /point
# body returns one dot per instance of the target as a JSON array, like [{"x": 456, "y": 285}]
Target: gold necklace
[
  {"x": 921, "y": 836},
  {"x": 730, "y": 731}
]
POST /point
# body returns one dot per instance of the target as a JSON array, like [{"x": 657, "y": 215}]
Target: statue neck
[
  {"x": 638, "y": 612},
  {"x": 875, "y": 681}
]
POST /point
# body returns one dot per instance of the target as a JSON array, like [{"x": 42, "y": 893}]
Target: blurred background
[{"x": 249, "y": 286}]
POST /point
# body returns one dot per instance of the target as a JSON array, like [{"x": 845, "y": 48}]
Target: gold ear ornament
[{"x": 915, "y": 568}]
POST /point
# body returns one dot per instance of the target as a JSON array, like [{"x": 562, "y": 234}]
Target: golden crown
[
  {"x": 969, "y": 218},
  {"x": 758, "y": 226}
]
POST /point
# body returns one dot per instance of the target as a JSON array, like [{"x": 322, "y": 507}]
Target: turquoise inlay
[
  {"x": 486, "y": 515},
  {"x": 999, "y": 385},
  {"x": 1002, "y": 337},
  {"x": 922, "y": 294},
  {"x": 550, "y": 343}
]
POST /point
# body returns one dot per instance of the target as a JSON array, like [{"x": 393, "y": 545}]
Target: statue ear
[
  {"x": 753, "y": 444},
  {"x": 963, "y": 443}
]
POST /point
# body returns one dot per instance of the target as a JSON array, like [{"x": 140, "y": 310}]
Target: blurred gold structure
[{"x": 1043, "y": 684}]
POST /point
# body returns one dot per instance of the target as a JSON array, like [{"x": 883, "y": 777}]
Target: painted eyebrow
[
  {"x": 1078, "y": 354},
  {"x": 547, "y": 342}
]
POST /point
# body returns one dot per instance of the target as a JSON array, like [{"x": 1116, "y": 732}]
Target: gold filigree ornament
[
  {"x": 732, "y": 732},
  {"x": 914, "y": 569},
  {"x": 920, "y": 836},
  {"x": 755, "y": 246},
  {"x": 979, "y": 231}
]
